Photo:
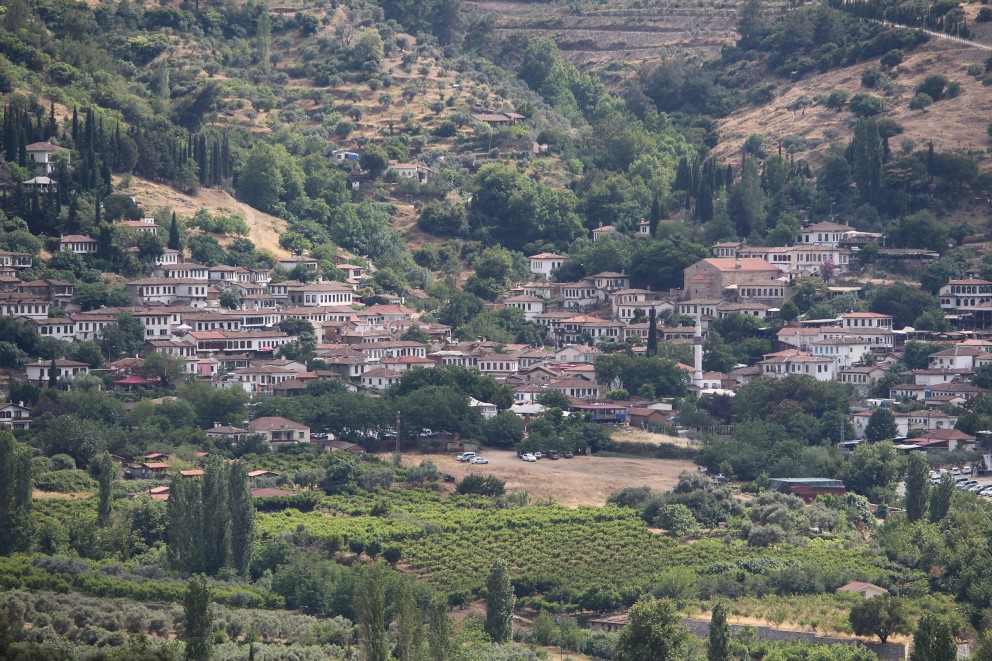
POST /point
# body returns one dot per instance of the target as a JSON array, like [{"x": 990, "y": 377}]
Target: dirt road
[{"x": 578, "y": 481}]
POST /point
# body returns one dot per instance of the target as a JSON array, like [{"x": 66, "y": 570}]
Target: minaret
[{"x": 697, "y": 351}]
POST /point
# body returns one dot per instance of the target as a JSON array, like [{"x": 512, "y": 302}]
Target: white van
[{"x": 465, "y": 456}]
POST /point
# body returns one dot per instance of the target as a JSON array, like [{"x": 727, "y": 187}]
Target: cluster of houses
[{"x": 369, "y": 348}]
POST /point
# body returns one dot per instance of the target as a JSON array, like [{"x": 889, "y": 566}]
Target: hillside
[
  {"x": 265, "y": 228},
  {"x": 950, "y": 123}
]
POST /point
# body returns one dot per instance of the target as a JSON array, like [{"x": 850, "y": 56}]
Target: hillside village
[
  {"x": 367, "y": 348},
  {"x": 511, "y": 330}
]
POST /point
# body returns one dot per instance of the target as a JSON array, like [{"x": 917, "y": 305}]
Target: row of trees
[{"x": 211, "y": 519}]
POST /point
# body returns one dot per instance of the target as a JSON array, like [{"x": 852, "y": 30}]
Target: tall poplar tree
[
  {"x": 370, "y": 608},
  {"x": 16, "y": 522},
  {"x": 184, "y": 524},
  {"x": 917, "y": 486},
  {"x": 500, "y": 601},
  {"x": 408, "y": 621},
  {"x": 198, "y": 620},
  {"x": 242, "y": 511},
  {"x": 438, "y": 630},
  {"x": 718, "y": 643},
  {"x": 105, "y": 472},
  {"x": 216, "y": 516}
]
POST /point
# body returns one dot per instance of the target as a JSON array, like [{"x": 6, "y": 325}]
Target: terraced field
[{"x": 627, "y": 32}]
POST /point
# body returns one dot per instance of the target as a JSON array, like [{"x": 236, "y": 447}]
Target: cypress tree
[
  {"x": 652, "y": 347},
  {"x": 654, "y": 217},
  {"x": 52, "y": 374},
  {"x": 500, "y": 601},
  {"x": 16, "y": 522},
  {"x": 75, "y": 126},
  {"x": 704, "y": 203},
  {"x": 174, "y": 241}
]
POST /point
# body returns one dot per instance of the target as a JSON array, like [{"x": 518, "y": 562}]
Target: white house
[
  {"x": 15, "y": 416},
  {"x": 77, "y": 243},
  {"x": 487, "y": 410},
  {"x": 43, "y": 155},
  {"x": 546, "y": 262},
  {"x": 961, "y": 293},
  {"x": 793, "y": 361},
  {"x": 66, "y": 370},
  {"x": 824, "y": 234},
  {"x": 531, "y": 306}
]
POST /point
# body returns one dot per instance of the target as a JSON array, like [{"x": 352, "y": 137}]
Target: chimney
[{"x": 737, "y": 263}]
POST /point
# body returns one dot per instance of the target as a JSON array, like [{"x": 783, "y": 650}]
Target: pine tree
[
  {"x": 174, "y": 241},
  {"x": 370, "y": 608},
  {"x": 500, "y": 601},
  {"x": 652, "y": 347},
  {"x": 242, "y": 511},
  {"x": 16, "y": 522},
  {"x": 718, "y": 644},
  {"x": 198, "y": 620},
  {"x": 105, "y": 473}
]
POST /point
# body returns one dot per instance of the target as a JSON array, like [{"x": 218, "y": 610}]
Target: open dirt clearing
[{"x": 572, "y": 482}]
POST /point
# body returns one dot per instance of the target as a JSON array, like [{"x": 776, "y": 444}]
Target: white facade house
[
  {"x": 65, "y": 370},
  {"x": 824, "y": 234},
  {"x": 77, "y": 243},
  {"x": 793, "y": 361},
  {"x": 546, "y": 262},
  {"x": 43, "y": 156},
  {"x": 962, "y": 293},
  {"x": 531, "y": 306}
]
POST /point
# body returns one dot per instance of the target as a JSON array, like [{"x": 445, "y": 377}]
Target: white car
[
  {"x": 528, "y": 457},
  {"x": 465, "y": 456},
  {"x": 955, "y": 471},
  {"x": 538, "y": 455},
  {"x": 966, "y": 470},
  {"x": 478, "y": 460}
]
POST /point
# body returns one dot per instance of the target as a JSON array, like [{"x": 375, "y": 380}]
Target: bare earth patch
[
  {"x": 633, "y": 435},
  {"x": 265, "y": 228},
  {"x": 570, "y": 482},
  {"x": 53, "y": 495}
]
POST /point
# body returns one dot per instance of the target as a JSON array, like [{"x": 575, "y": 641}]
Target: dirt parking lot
[{"x": 577, "y": 481}]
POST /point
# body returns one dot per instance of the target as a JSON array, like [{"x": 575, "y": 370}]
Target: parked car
[
  {"x": 567, "y": 455},
  {"x": 449, "y": 478},
  {"x": 478, "y": 460},
  {"x": 538, "y": 455},
  {"x": 955, "y": 471},
  {"x": 966, "y": 470},
  {"x": 553, "y": 454},
  {"x": 527, "y": 456},
  {"x": 465, "y": 456}
]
